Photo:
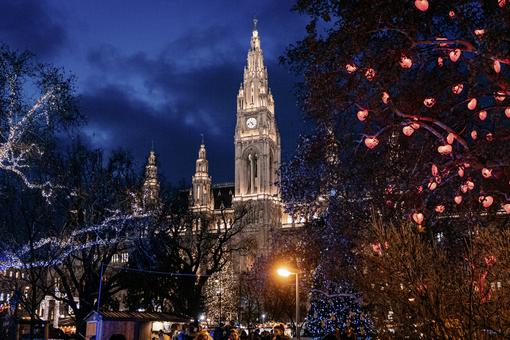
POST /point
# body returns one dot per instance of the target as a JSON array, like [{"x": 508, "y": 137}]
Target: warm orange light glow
[
  {"x": 486, "y": 172},
  {"x": 506, "y": 206},
  {"x": 472, "y": 104},
  {"x": 407, "y": 130},
  {"x": 455, "y": 55},
  {"x": 445, "y": 149},
  {"x": 461, "y": 172},
  {"x": 422, "y": 5},
  {"x": 362, "y": 114},
  {"x": 429, "y": 102},
  {"x": 371, "y": 142},
  {"x": 450, "y": 138},
  {"x": 284, "y": 272},
  {"x": 417, "y": 217},
  {"x": 457, "y": 89},
  {"x": 486, "y": 201},
  {"x": 482, "y": 115}
]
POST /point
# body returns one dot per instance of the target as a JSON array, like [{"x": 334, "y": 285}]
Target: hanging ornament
[
  {"x": 474, "y": 134},
  {"x": 351, "y": 68},
  {"x": 429, "y": 102},
  {"x": 506, "y": 207},
  {"x": 479, "y": 32},
  {"x": 385, "y": 97},
  {"x": 507, "y": 112},
  {"x": 486, "y": 201},
  {"x": 486, "y": 172},
  {"x": 464, "y": 188},
  {"x": 444, "y": 149},
  {"x": 490, "y": 260},
  {"x": 439, "y": 208},
  {"x": 371, "y": 142},
  {"x": 451, "y": 14},
  {"x": 415, "y": 125},
  {"x": 489, "y": 137},
  {"x": 455, "y": 55},
  {"x": 422, "y": 5},
  {"x": 362, "y": 115},
  {"x": 470, "y": 184},
  {"x": 457, "y": 89},
  {"x": 440, "y": 61},
  {"x": 501, "y": 3},
  {"x": 432, "y": 185},
  {"x": 458, "y": 199},
  {"x": 460, "y": 172},
  {"x": 434, "y": 170},
  {"x": 482, "y": 115},
  {"x": 406, "y": 62},
  {"x": 370, "y": 74},
  {"x": 472, "y": 104},
  {"x": 497, "y": 66},
  {"x": 407, "y": 130},
  {"x": 450, "y": 138},
  {"x": 500, "y": 96},
  {"x": 376, "y": 247},
  {"x": 417, "y": 217}
]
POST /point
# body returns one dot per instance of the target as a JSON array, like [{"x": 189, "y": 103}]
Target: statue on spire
[{"x": 255, "y": 24}]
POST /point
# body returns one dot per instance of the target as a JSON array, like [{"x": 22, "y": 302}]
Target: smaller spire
[
  {"x": 202, "y": 135},
  {"x": 151, "y": 182}
]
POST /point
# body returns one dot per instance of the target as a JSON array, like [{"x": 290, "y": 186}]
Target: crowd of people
[{"x": 194, "y": 331}]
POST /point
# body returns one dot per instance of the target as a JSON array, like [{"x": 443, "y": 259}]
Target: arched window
[{"x": 251, "y": 172}]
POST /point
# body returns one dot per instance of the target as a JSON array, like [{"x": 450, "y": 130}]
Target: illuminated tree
[
  {"x": 35, "y": 101},
  {"x": 431, "y": 79},
  {"x": 414, "y": 287},
  {"x": 409, "y": 114},
  {"x": 334, "y": 307}
]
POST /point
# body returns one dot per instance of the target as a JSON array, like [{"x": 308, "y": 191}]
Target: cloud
[
  {"x": 116, "y": 119},
  {"x": 172, "y": 98},
  {"x": 31, "y": 25}
]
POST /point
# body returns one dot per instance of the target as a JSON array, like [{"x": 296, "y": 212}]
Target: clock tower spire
[{"x": 257, "y": 140}]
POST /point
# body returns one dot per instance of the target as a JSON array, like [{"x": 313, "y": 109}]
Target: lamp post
[{"x": 286, "y": 273}]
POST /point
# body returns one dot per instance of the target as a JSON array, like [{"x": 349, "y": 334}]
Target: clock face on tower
[{"x": 251, "y": 122}]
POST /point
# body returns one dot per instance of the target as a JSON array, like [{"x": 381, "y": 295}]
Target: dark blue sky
[{"x": 162, "y": 70}]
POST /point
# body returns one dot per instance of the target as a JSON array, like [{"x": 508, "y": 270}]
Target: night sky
[{"x": 162, "y": 71}]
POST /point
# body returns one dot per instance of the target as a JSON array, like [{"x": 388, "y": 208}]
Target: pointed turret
[
  {"x": 151, "y": 183},
  {"x": 201, "y": 192},
  {"x": 254, "y": 92}
]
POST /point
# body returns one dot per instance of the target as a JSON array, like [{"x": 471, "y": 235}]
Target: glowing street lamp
[{"x": 286, "y": 273}]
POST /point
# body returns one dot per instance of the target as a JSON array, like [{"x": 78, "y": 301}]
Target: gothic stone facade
[{"x": 257, "y": 160}]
